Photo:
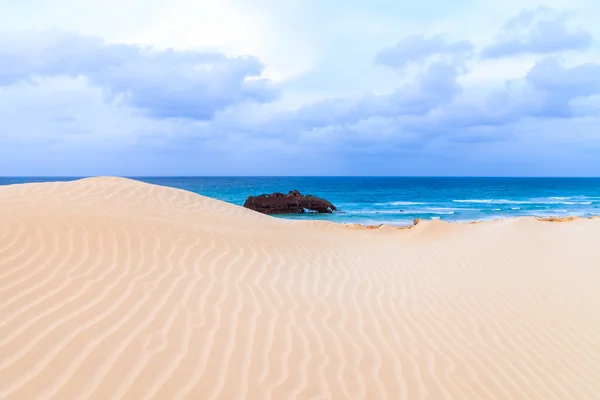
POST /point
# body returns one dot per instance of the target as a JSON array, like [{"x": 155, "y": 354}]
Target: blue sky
[{"x": 300, "y": 87}]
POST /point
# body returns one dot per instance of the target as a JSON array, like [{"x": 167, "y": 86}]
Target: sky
[{"x": 299, "y": 87}]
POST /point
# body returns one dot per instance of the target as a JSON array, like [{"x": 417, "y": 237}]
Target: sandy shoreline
[
  {"x": 113, "y": 288},
  {"x": 418, "y": 221}
]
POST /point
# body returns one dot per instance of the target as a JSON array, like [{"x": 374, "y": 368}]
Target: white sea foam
[
  {"x": 401, "y": 212},
  {"x": 400, "y": 203},
  {"x": 586, "y": 203},
  {"x": 553, "y": 212},
  {"x": 429, "y": 212},
  {"x": 532, "y": 201}
]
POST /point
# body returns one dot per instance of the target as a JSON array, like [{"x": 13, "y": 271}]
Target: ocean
[{"x": 399, "y": 200}]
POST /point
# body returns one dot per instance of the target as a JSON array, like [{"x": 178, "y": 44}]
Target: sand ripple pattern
[{"x": 116, "y": 289}]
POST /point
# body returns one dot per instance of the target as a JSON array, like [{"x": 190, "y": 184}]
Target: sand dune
[{"x": 112, "y": 288}]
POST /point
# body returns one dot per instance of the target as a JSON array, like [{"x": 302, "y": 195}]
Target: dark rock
[{"x": 292, "y": 203}]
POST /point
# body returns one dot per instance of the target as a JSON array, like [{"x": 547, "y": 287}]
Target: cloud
[
  {"x": 163, "y": 83},
  {"x": 549, "y": 91},
  {"x": 71, "y": 104},
  {"x": 418, "y": 48},
  {"x": 537, "y": 31},
  {"x": 434, "y": 86},
  {"x": 436, "y": 110},
  {"x": 551, "y": 75},
  {"x": 560, "y": 85}
]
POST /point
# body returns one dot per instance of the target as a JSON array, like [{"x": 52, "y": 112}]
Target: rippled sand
[{"x": 112, "y": 288}]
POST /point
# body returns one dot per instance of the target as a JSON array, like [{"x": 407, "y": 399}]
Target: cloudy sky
[{"x": 300, "y": 87}]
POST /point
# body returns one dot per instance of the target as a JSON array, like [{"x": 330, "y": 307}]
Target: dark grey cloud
[
  {"x": 164, "y": 83},
  {"x": 537, "y": 31}
]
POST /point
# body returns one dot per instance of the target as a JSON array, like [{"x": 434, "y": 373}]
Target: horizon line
[{"x": 298, "y": 176}]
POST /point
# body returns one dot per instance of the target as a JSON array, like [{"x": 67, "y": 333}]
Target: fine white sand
[{"x": 112, "y": 288}]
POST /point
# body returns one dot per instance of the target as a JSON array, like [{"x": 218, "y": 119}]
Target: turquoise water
[{"x": 398, "y": 200}]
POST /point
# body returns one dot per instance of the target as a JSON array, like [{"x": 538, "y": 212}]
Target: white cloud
[{"x": 338, "y": 108}]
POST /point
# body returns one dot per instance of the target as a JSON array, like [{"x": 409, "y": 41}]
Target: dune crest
[{"x": 112, "y": 288}]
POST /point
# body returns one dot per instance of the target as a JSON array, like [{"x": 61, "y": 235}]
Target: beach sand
[{"x": 111, "y": 288}]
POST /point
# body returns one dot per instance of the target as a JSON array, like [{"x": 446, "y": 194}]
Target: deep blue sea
[{"x": 398, "y": 200}]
